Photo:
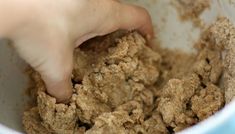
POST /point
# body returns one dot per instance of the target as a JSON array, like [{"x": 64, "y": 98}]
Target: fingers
[
  {"x": 112, "y": 15},
  {"x": 128, "y": 17},
  {"x": 132, "y": 17}
]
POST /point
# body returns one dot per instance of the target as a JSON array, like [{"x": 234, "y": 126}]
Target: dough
[
  {"x": 192, "y": 9},
  {"x": 222, "y": 33},
  {"x": 122, "y": 86}
]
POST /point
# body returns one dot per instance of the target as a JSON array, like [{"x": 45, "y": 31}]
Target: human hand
[{"x": 52, "y": 29}]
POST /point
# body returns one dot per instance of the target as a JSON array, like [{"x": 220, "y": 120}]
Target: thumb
[
  {"x": 54, "y": 61},
  {"x": 56, "y": 72}
]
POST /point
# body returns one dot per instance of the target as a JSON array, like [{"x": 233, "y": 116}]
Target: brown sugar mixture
[
  {"x": 122, "y": 86},
  {"x": 191, "y": 9}
]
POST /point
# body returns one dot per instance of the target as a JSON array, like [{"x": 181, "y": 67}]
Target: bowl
[{"x": 170, "y": 31}]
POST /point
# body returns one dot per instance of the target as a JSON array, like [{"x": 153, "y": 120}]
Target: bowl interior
[{"x": 170, "y": 31}]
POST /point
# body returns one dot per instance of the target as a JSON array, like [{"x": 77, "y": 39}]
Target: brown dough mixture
[
  {"x": 222, "y": 33},
  {"x": 191, "y": 9},
  {"x": 122, "y": 86}
]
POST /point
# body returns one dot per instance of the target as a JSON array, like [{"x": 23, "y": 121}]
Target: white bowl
[{"x": 172, "y": 33}]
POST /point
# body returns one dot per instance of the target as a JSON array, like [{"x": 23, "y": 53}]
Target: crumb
[
  {"x": 208, "y": 101},
  {"x": 58, "y": 118},
  {"x": 172, "y": 103},
  {"x": 32, "y": 122}
]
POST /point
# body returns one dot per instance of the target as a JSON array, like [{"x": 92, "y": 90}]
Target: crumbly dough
[
  {"x": 222, "y": 33},
  {"x": 191, "y": 9},
  {"x": 122, "y": 86}
]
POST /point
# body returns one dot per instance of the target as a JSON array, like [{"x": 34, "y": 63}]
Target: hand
[{"x": 52, "y": 30}]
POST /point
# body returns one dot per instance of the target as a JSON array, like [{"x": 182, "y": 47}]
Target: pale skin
[{"x": 45, "y": 32}]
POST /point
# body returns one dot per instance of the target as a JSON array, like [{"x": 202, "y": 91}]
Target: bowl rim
[
  {"x": 214, "y": 122},
  {"x": 6, "y": 130}
]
